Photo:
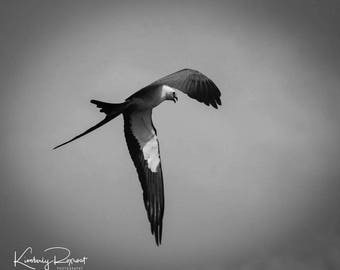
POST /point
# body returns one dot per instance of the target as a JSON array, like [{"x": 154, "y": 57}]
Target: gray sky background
[{"x": 254, "y": 185}]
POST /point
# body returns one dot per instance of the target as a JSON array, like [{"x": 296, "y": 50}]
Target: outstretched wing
[
  {"x": 195, "y": 84},
  {"x": 141, "y": 138}
]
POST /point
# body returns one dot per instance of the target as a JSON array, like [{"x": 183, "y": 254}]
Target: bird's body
[
  {"x": 141, "y": 135},
  {"x": 150, "y": 97}
]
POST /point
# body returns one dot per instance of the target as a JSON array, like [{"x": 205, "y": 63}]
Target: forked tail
[{"x": 112, "y": 110}]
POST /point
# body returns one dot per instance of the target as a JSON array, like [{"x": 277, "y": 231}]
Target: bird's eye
[{"x": 173, "y": 94}]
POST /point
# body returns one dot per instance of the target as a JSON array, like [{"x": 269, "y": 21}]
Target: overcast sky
[{"x": 253, "y": 185}]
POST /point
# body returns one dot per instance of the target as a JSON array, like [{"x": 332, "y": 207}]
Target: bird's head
[
  {"x": 168, "y": 93},
  {"x": 171, "y": 95}
]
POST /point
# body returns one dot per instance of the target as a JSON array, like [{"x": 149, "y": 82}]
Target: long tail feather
[
  {"x": 110, "y": 109},
  {"x": 104, "y": 121}
]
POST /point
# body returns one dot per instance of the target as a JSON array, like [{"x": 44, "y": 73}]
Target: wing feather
[
  {"x": 150, "y": 175},
  {"x": 206, "y": 94},
  {"x": 195, "y": 84}
]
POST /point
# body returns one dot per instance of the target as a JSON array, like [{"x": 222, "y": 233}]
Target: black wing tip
[
  {"x": 158, "y": 242},
  {"x": 157, "y": 232},
  {"x": 216, "y": 102}
]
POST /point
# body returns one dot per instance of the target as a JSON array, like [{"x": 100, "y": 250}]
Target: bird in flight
[{"x": 141, "y": 135}]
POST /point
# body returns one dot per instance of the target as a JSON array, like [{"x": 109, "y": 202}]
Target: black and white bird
[{"x": 141, "y": 135}]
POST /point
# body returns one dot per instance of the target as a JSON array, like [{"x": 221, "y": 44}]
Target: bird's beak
[{"x": 175, "y": 98}]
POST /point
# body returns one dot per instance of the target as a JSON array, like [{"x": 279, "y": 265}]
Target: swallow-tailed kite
[{"x": 141, "y": 135}]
